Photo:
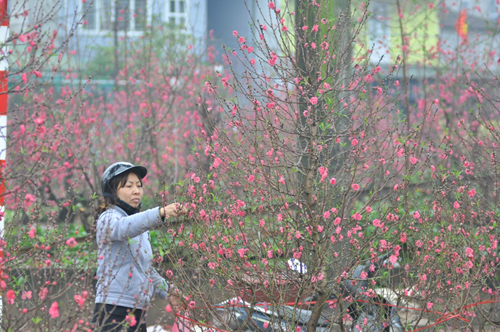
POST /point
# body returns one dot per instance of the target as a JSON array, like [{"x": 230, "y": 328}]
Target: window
[
  {"x": 177, "y": 13},
  {"x": 379, "y": 32},
  {"x": 129, "y": 15}
]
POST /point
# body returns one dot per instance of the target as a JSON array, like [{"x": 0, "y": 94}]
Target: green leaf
[
  {"x": 66, "y": 261},
  {"x": 36, "y": 320}
]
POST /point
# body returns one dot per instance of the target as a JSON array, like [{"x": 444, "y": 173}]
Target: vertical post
[{"x": 4, "y": 35}]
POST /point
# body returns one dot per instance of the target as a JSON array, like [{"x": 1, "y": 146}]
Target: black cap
[{"x": 120, "y": 168}]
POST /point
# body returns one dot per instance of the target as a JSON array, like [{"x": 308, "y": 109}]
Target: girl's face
[{"x": 131, "y": 192}]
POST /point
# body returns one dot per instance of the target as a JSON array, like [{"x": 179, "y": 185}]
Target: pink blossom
[
  {"x": 469, "y": 252},
  {"x": 271, "y": 5},
  {"x": 413, "y": 160},
  {"x": 272, "y": 61},
  {"x": 333, "y": 181},
  {"x": 130, "y": 319},
  {"x": 32, "y": 233},
  {"x": 368, "y": 209},
  {"x": 54, "y": 310},
  {"x": 416, "y": 215},
  {"x": 403, "y": 237},
  {"x": 471, "y": 193},
  {"x": 418, "y": 243},
  {"x": 251, "y": 178},
  {"x": 356, "y": 216},
  {"x": 80, "y": 300},
  {"x": 315, "y": 28},
  {"x": 324, "y": 172},
  {"x": 376, "y": 223},
  {"x": 43, "y": 293},
  {"x": 429, "y": 305},
  {"x": 354, "y": 142},
  {"x": 241, "y": 252},
  {"x": 241, "y": 40},
  {"x": 235, "y": 33},
  {"x": 393, "y": 259},
  {"x": 313, "y": 100},
  {"x": 456, "y": 205},
  {"x": 252, "y": 61},
  {"x": 355, "y": 186},
  {"x": 326, "y": 215},
  {"x": 29, "y": 199},
  {"x": 11, "y": 296},
  {"x": 39, "y": 121},
  {"x": 217, "y": 162},
  {"x": 320, "y": 228},
  {"x": 26, "y": 295},
  {"x": 71, "y": 242},
  {"x": 363, "y": 275}
]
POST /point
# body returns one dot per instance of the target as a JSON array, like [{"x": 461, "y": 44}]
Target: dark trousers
[{"x": 108, "y": 317}]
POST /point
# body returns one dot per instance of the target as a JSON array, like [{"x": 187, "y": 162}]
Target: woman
[{"x": 126, "y": 279}]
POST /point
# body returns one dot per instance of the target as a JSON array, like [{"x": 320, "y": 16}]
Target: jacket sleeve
[
  {"x": 115, "y": 227},
  {"x": 161, "y": 286}
]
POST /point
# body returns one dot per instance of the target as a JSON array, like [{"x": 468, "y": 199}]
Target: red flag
[{"x": 461, "y": 24}]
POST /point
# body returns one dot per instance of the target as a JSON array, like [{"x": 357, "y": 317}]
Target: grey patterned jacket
[{"x": 125, "y": 275}]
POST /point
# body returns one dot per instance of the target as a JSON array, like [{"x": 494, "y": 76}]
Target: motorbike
[{"x": 368, "y": 312}]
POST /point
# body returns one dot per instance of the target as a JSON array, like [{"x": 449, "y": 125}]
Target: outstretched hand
[
  {"x": 173, "y": 210},
  {"x": 177, "y": 302}
]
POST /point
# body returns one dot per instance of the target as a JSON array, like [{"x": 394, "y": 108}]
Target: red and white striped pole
[
  {"x": 4, "y": 78},
  {"x": 4, "y": 87}
]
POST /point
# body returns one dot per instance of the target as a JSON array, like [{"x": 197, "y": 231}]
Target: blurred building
[
  {"x": 435, "y": 31},
  {"x": 420, "y": 27}
]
